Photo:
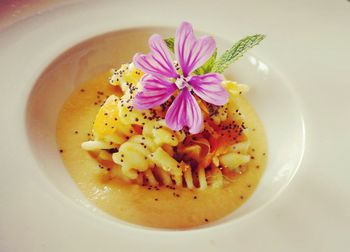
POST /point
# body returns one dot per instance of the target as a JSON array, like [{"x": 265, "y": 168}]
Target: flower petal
[
  {"x": 155, "y": 92},
  {"x": 158, "y": 61},
  {"x": 184, "y": 111},
  {"x": 191, "y": 52},
  {"x": 208, "y": 87}
]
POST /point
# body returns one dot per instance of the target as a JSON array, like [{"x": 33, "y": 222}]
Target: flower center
[{"x": 182, "y": 82}]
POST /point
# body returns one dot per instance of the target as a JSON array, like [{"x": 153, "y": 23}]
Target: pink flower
[{"x": 161, "y": 79}]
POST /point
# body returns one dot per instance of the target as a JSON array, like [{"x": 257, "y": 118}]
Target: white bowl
[{"x": 88, "y": 59}]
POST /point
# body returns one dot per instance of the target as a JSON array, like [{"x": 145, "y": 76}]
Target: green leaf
[
  {"x": 170, "y": 43},
  {"x": 208, "y": 65},
  {"x": 236, "y": 51}
]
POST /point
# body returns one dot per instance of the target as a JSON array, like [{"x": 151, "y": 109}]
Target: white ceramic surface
[{"x": 307, "y": 50}]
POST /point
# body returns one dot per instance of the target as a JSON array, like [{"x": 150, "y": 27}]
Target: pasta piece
[
  {"x": 192, "y": 152},
  {"x": 234, "y": 88},
  {"x": 166, "y": 162},
  {"x": 202, "y": 178},
  {"x": 118, "y": 75},
  {"x": 125, "y": 76},
  {"x": 116, "y": 173},
  {"x": 139, "y": 179},
  {"x": 188, "y": 176},
  {"x": 95, "y": 145},
  {"x": 129, "y": 115},
  {"x": 144, "y": 141},
  {"x": 116, "y": 139},
  {"x": 150, "y": 178},
  {"x": 164, "y": 136},
  {"x": 105, "y": 155},
  {"x": 132, "y": 157},
  {"x": 241, "y": 147},
  {"x": 169, "y": 149},
  {"x": 220, "y": 115},
  {"x": 233, "y": 160},
  {"x": 215, "y": 178},
  {"x": 163, "y": 176},
  {"x": 216, "y": 161}
]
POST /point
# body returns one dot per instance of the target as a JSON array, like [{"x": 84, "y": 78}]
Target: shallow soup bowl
[{"x": 78, "y": 62}]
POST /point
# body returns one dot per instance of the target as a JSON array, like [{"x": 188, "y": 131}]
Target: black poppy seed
[
  {"x": 156, "y": 199},
  {"x": 61, "y": 151},
  {"x": 121, "y": 160},
  {"x": 206, "y": 220},
  {"x": 82, "y": 90},
  {"x": 194, "y": 197}
]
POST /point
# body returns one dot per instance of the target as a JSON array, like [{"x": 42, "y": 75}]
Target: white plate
[{"x": 307, "y": 50}]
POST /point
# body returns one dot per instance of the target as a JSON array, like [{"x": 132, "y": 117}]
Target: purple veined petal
[
  {"x": 191, "y": 52},
  {"x": 184, "y": 111},
  {"x": 208, "y": 87},
  {"x": 158, "y": 61},
  {"x": 155, "y": 92}
]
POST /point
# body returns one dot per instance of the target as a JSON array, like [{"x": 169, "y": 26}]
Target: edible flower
[{"x": 161, "y": 79}]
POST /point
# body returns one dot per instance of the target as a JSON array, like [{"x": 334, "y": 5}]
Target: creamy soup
[{"x": 154, "y": 206}]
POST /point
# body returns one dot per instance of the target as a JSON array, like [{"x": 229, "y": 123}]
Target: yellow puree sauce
[{"x": 149, "y": 206}]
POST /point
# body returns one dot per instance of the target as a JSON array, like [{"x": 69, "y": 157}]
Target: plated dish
[
  {"x": 289, "y": 76},
  {"x": 162, "y": 142}
]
